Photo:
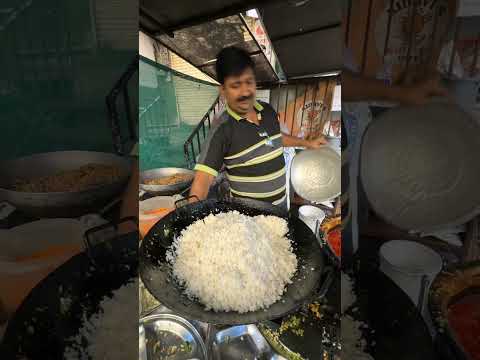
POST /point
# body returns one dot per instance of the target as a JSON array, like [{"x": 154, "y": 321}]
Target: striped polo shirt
[{"x": 252, "y": 155}]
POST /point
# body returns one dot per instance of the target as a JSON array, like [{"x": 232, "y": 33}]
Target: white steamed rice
[
  {"x": 353, "y": 343},
  {"x": 110, "y": 334},
  {"x": 233, "y": 262}
]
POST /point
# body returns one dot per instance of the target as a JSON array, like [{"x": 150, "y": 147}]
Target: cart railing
[
  {"x": 193, "y": 145},
  {"x": 121, "y": 89},
  {"x": 10, "y": 14}
]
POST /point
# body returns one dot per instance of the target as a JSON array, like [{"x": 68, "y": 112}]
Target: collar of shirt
[{"x": 257, "y": 106}]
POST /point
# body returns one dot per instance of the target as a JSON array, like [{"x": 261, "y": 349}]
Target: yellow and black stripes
[
  {"x": 254, "y": 163},
  {"x": 206, "y": 169},
  {"x": 267, "y": 154},
  {"x": 264, "y": 186},
  {"x": 254, "y": 150}
]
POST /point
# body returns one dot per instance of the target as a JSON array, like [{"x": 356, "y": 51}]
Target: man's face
[{"x": 240, "y": 91}]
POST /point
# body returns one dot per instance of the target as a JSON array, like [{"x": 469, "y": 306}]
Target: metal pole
[
  {"x": 278, "y": 97},
  {"x": 128, "y": 110},
  {"x": 186, "y": 155},
  {"x": 389, "y": 27},
  {"x": 430, "y": 61},
  {"x": 294, "y": 103},
  {"x": 303, "y": 106},
  {"x": 193, "y": 151},
  {"x": 367, "y": 33},
  {"x": 198, "y": 142},
  {"x": 475, "y": 56},
  {"x": 313, "y": 104},
  {"x": 286, "y": 105},
  {"x": 324, "y": 106},
  {"x": 455, "y": 38},
  {"x": 411, "y": 40},
  {"x": 347, "y": 30}
]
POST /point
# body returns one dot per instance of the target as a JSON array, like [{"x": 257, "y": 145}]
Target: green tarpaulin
[{"x": 171, "y": 105}]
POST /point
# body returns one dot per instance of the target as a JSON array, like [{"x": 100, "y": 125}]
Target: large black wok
[
  {"x": 397, "y": 330},
  {"x": 53, "y": 310},
  {"x": 156, "y": 276}
]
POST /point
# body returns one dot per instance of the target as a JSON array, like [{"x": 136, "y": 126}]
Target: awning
[
  {"x": 167, "y": 16},
  {"x": 307, "y": 39},
  {"x": 306, "y": 35},
  {"x": 200, "y": 45}
]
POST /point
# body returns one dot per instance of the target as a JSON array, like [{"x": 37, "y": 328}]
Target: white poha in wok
[{"x": 233, "y": 262}]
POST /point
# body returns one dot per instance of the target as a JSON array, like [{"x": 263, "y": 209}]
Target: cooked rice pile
[
  {"x": 234, "y": 262},
  {"x": 348, "y": 295},
  {"x": 353, "y": 343},
  {"x": 79, "y": 179},
  {"x": 109, "y": 334}
]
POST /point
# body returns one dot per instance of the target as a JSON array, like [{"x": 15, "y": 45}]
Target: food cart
[{"x": 301, "y": 92}]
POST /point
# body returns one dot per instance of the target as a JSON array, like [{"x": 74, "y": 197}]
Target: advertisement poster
[
  {"x": 305, "y": 110},
  {"x": 418, "y": 30}
]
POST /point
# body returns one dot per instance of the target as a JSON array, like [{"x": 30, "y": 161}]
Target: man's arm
[
  {"x": 201, "y": 185},
  {"x": 359, "y": 88},
  {"x": 293, "y": 141}
]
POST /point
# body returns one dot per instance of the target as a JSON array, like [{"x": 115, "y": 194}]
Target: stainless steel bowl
[
  {"x": 169, "y": 336},
  {"x": 165, "y": 189},
  {"x": 242, "y": 342}
]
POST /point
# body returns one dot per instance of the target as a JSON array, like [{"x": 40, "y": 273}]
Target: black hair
[{"x": 232, "y": 61}]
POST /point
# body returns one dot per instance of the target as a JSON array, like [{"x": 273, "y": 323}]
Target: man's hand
[
  {"x": 293, "y": 141},
  {"x": 316, "y": 143},
  {"x": 410, "y": 92},
  {"x": 192, "y": 199},
  {"x": 422, "y": 92},
  {"x": 200, "y": 186}
]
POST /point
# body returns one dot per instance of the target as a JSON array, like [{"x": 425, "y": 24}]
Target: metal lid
[
  {"x": 315, "y": 174},
  {"x": 168, "y": 336},
  {"x": 420, "y": 168}
]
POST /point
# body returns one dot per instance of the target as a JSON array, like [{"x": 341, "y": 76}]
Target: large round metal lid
[
  {"x": 420, "y": 166},
  {"x": 315, "y": 174}
]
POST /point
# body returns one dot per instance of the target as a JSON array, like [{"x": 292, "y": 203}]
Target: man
[{"x": 247, "y": 139}]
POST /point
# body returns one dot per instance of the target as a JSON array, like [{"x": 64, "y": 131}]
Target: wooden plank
[{"x": 472, "y": 241}]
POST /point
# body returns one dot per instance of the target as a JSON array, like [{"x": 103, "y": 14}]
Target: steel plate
[
  {"x": 242, "y": 342},
  {"x": 163, "y": 336}
]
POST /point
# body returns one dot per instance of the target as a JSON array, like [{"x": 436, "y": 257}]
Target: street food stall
[{"x": 302, "y": 322}]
